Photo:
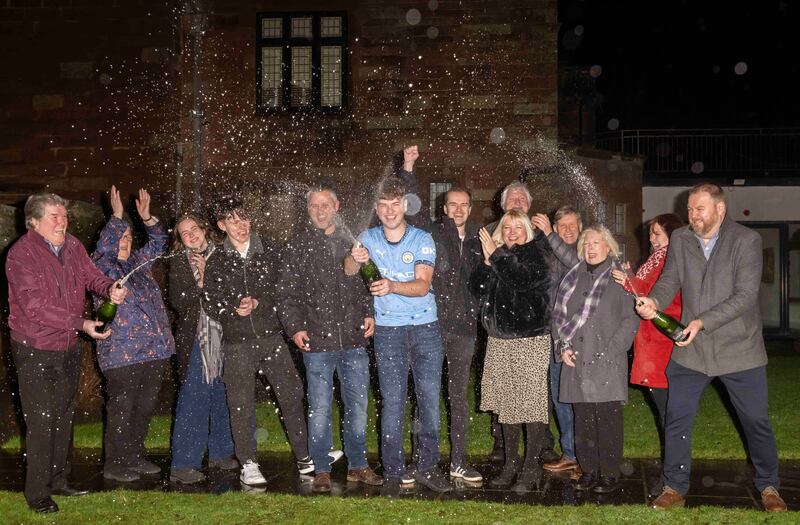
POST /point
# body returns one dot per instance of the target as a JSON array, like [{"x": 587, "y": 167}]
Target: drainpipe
[
  {"x": 197, "y": 13},
  {"x": 178, "y": 177}
]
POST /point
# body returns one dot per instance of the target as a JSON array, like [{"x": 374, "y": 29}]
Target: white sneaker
[
  {"x": 306, "y": 465},
  {"x": 466, "y": 473},
  {"x": 251, "y": 474}
]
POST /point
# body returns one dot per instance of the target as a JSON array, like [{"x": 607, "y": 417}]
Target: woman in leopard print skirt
[{"x": 512, "y": 287}]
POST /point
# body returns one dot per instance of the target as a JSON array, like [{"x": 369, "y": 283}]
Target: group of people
[{"x": 558, "y": 312}]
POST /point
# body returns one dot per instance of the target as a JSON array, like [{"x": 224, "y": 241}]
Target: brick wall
[
  {"x": 485, "y": 65},
  {"x": 77, "y": 108},
  {"x": 95, "y": 92}
]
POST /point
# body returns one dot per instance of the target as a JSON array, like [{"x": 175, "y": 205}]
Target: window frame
[
  {"x": 316, "y": 42},
  {"x": 435, "y": 185},
  {"x": 620, "y": 218}
]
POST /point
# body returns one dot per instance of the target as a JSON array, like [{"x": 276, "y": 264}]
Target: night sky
[{"x": 687, "y": 64}]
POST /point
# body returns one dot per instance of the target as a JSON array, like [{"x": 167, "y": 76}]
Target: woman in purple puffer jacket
[{"x": 133, "y": 358}]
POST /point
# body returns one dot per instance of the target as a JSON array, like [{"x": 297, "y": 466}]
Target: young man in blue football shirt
[{"x": 406, "y": 335}]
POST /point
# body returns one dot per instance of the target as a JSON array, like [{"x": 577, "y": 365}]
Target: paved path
[{"x": 718, "y": 483}]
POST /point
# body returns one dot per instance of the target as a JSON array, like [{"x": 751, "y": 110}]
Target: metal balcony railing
[{"x": 709, "y": 151}]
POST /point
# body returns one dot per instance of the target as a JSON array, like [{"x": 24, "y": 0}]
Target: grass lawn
[
  {"x": 144, "y": 508},
  {"x": 715, "y": 438},
  {"x": 715, "y": 435}
]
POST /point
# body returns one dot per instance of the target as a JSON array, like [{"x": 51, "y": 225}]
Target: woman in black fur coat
[{"x": 513, "y": 290}]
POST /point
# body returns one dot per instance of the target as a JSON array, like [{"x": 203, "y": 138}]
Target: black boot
[
  {"x": 528, "y": 480},
  {"x": 511, "y": 465},
  {"x": 507, "y": 475},
  {"x": 531, "y": 474},
  {"x": 497, "y": 455}
]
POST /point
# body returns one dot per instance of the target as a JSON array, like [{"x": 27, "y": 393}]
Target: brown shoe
[
  {"x": 668, "y": 499},
  {"x": 576, "y": 473},
  {"x": 322, "y": 482},
  {"x": 772, "y": 500},
  {"x": 364, "y": 475},
  {"x": 561, "y": 465}
]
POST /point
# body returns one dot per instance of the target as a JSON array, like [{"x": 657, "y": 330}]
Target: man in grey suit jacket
[{"x": 716, "y": 263}]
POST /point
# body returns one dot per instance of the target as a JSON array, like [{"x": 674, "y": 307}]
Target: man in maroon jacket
[{"x": 48, "y": 273}]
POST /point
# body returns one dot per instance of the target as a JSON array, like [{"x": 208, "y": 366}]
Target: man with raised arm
[
  {"x": 567, "y": 225},
  {"x": 406, "y": 335},
  {"x": 458, "y": 253}
]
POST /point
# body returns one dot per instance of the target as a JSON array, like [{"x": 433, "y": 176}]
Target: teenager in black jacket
[{"x": 239, "y": 291}]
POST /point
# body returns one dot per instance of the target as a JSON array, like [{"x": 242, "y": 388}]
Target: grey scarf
[
  {"x": 566, "y": 327},
  {"x": 209, "y": 333}
]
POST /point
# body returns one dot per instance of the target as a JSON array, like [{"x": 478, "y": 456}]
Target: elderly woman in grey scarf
[
  {"x": 201, "y": 416},
  {"x": 594, "y": 325}
]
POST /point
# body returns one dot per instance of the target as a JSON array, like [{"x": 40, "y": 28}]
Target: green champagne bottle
[
  {"x": 369, "y": 270},
  {"x": 370, "y": 273},
  {"x": 106, "y": 314},
  {"x": 669, "y": 326}
]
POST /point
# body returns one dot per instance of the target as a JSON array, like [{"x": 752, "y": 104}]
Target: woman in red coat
[{"x": 651, "y": 348}]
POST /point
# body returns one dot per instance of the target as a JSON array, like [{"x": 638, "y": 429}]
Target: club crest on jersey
[{"x": 408, "y": 257}]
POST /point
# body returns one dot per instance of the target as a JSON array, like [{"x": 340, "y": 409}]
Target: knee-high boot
[
  {"x": 497, "y": 455},
  {"x": 531, "y": 474},
  {"x": 510, "y": 446}
]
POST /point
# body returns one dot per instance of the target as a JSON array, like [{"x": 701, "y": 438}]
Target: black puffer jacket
[
  {"x": 455, "y": 262},
  {"x": 514, "y": 292},
  {"x": 229, "y": 278},
  {"x": 318, "y": 297}
]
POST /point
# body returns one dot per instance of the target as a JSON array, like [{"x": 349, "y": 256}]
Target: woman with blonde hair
[
  {"x": 593, "y": 325},
  {"x": 513, "y": 289}
]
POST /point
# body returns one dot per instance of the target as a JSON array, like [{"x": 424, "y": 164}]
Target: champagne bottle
[
  {"x": 106, "y": 313},
  {"x": 369, "y": 271},
  {"x": 666, "y": 324},
  {"x": 669, "y": 326}
]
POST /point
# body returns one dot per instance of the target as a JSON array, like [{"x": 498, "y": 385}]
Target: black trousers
[
  {"x": 748, "y": 392},
  {"x": 459, "y": 350},
  {"x": 132, "y": 393},
  {"x": 48, "y": 387},
  {"x": 598, "y": 437},
  {"x": 270, "y": 357}
]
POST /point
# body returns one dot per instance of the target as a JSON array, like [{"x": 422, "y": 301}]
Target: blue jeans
[
  {"x": 398, "y": 348},
  {"x": 564, "y": 414},
  {"x": 352, "y": 368},
  {"x": 201, "y": 419}
]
